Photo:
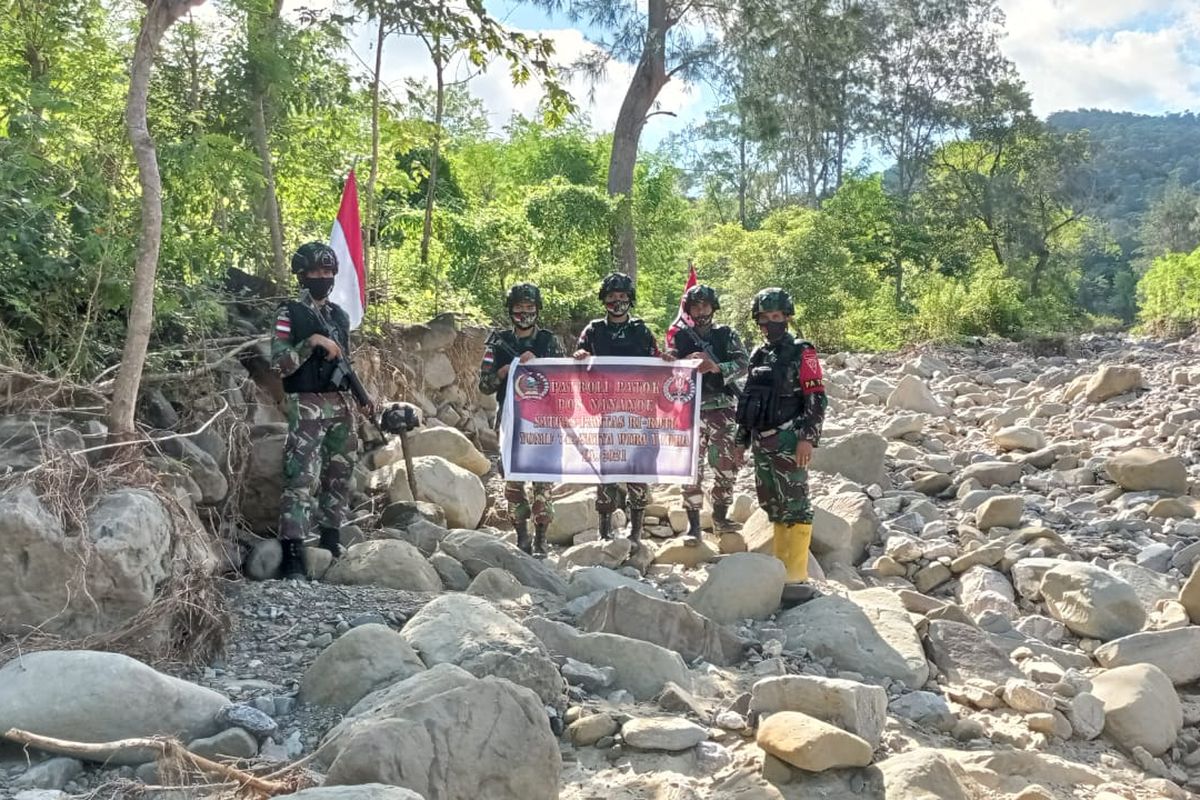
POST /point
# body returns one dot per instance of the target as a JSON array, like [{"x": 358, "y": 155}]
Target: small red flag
[{"x": 682, "y": 318}]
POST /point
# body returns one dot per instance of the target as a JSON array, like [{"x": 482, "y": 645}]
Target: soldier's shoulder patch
[
  {"x": 811, "y": 378},
  {"x": 283, "y": 323}
]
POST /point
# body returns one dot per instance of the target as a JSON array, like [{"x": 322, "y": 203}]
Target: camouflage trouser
[
  {"x": 608, "y": 496},
  {"x": 318, "y": 460},
  {"x": 717, "y": 431},
  {"x": 782, "y": 486},
  {"x": 524, "y": 505}
]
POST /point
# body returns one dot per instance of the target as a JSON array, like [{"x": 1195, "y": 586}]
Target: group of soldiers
[{"x": 778, "y": 413}]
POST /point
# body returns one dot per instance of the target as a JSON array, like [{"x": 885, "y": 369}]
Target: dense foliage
[{"x": 987, "y": 221}]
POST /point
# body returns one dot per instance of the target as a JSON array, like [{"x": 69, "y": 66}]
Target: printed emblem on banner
[
  {"x": 679, "y": 388},
  {"x": 531, "y": 385}
]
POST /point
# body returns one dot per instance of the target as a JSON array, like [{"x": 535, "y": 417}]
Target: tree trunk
[
  {"x": 258, "y": 127},
  {"x": 435, "y": 150},
  {"x": 260, "y": 132},
  {"x": 159, "y": 17},
  {"x": 372, "y": 224},
  {"x": 648, "y": 80}
]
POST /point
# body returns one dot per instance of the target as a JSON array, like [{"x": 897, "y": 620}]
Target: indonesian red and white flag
[
  {"x": 350, "y": 285},
  {"x": 682, "y": 319}
]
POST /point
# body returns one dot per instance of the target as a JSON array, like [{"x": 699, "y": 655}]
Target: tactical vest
[
  {"x": 631, "y": 338},
  {"x": 314, "y": 374},
  {"x": 507, "y": 348},
  {"x": 688, "y": 343},
  {"x": 771, "y": 397}
]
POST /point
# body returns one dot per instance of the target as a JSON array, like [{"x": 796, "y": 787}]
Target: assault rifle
[
  {"x": 706, "y": 348},
  {"x": 398, "y": 418}
]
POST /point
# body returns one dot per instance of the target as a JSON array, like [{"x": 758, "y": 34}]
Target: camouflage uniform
[
  {"x": 318, "y": 455},
  {"x": 504, "y": 348},
  {"x": 718, "y": 426},
  {"x": 629, "y": 338},
  {"x": 792, "y": 368}
]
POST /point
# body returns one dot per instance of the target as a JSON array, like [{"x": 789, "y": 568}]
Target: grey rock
[
  {"x": 477, "y": 551},
  {"x": 924, "y": 708},
  {"x": 53, "y": 773},
  {"x": 247, "y": 718},
  {"x": 674, "y": 626},
  {"x": 232, "y": 743},
  {"x": 741, "y": 586},
  {"x": 363, "y": 659},
  {"x": 641, "y": 667},
  {"x": 453, "y": 576},
  {"x": 471, "y": 633}
]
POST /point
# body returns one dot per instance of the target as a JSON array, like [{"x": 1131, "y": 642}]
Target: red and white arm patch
[
  {"x": 489, "y": 357},
  {"x": 283, "y": 325},
  {"x": 811, "y": 379}
]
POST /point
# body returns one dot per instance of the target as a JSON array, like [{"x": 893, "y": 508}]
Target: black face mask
[
  {"x": 318, "y": 288},
  {"x": 617, "y": 308},
  {"x": 773, "y": 331},
  {"x": 523, "y": 320},
  {"x": 703, "y": 322}
]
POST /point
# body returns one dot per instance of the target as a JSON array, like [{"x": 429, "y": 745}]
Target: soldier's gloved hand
[
  {"x": 527, "y": 356},
  {"x": 332, "y": 351}
]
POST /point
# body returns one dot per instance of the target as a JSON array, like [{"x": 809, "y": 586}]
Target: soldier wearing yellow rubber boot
[{"x": 780, "y": 417}]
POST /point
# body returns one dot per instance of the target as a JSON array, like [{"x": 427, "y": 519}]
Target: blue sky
[{"x": 1126, "y": 55}]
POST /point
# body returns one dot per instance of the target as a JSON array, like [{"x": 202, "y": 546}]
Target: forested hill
[{"x": 1133, "y": 159}]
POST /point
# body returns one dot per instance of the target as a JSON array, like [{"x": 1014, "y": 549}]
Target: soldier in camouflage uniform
[
  {"x": 318, "y": 456},
  {"x": 781, "y": 413},
  {"x": 723, "y": 360},
  {"x": 524, "y": 342},
  {"x": 619, "y": 334}
]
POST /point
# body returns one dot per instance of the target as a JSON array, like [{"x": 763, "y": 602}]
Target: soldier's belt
[{"x": 791, "y": 423}]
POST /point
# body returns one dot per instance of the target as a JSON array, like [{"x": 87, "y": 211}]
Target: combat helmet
[
  {"x": 701, "y": 294},
  {"x": 524, "y": 292},
  {"x": 314, "y": 255},
  {"x": 618, "y": 282},
  {"x": 772, "y": 299}
]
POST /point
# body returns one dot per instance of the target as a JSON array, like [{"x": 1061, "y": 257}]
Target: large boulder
[
  {"x": 1144, "y": 469},
  {"x": 87, "y": 696},
  {"x": 1111, "y": 381},
  {"x": 362, "y": 660},
  {"x": 668, "y": 734},
  {"x": 810, "y": 744},
  {"x": 924, "y": 774},
  {"x": 388, "y": 563},
  {"x": 471, "y": 633},
  {"x": 844, "y": 526},
  {"x": 477, "y": 551},
  {"x": 741, "y": 586},
  {"x": 1004, "y": 511},
  {"x": 43, "y": 584},
  {"x": 912, "y": 394},
  {"x": 858, "y": 457},
  {"x": 642, "y": 668},
  {"x": 856, "y": 707},
  {"x": 1092, "y": 602},
  {"x": 449, "y": 443},
  {"x": 202, "y": 467},
  {"x": 444, "y": 733},
  {"x": 868, "y": 632},
  {"x": 674, "y": 626},
  {"x": 991, "y": 473},
  {"x": 1189, "y": 595},
  {"x": 458, "y": 491},
  {"x": 590, "y": 580},
  {"x": 261, "y": 489},
  {"x": 1019, "y": 437},
  {"x": 573, "y": 515},
  {"x": 1175, "y": 652},
  {"x": 963, "y": 652},
  {"x": 1141, "y": 708}
]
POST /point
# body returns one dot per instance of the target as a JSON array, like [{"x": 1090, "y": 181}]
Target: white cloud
[
  {"x": 406, "y": 58},
  {"x": 1129, "y": 55}
]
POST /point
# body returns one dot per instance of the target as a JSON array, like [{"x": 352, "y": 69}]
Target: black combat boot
[
  {"x": 293, "y": 567},
  {"x": 605, "y": 527},
  {"x": 635, "y": 529},
  {"x": 539, "y": 541},
  {"x": 331, "y": 540},
  {"x": 721, "y": 521},
  {"x": 523, "y": 536},
  {"x": 693, "y": 532}
]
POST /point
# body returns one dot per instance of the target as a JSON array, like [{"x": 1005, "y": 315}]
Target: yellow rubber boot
[
  {"x": 781, "y": 543},
  {"x": 800, "y": 535}
]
